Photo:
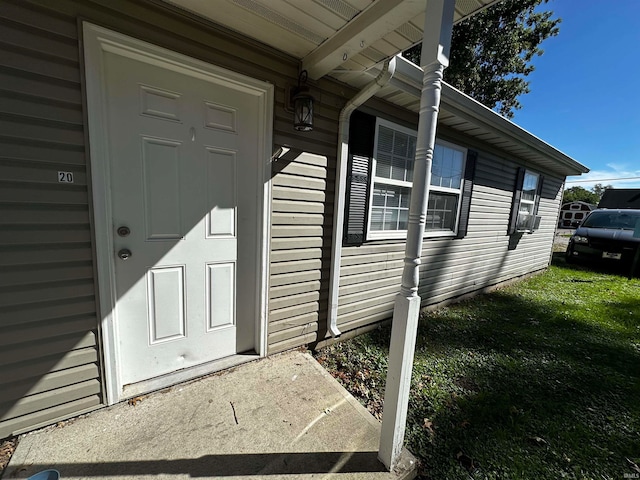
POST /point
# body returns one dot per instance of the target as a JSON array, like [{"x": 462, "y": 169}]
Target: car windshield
[{"x": 615, "y": 219}]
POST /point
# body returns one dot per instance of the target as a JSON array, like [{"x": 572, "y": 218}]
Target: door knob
[
  {"x": 123, "y": 231},
  {"x": 124, "y": 254}
]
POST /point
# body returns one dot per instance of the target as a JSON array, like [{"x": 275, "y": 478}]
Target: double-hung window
[
  {"x": 526, "y": 200},
  {"x": 392, "y": 176},
  {"x": 446, "y": 188},
  {"x": 394, "y": 155}
]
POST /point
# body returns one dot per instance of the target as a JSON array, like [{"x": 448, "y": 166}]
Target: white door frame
[{"x": 96, "y": 41}]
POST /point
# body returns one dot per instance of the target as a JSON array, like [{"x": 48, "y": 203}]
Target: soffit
[
  {"x": 328, "y": 35},
  {"x": 363, "y": 34}
]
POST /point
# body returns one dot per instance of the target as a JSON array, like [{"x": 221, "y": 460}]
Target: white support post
[{"x": 435, "y": 57}]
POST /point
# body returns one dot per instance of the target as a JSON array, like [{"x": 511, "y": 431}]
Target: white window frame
[
  {"x": 455, "y": 191},
  {"x": 384, "y": 234},
  {"x": 528, "y": 202},
  {"x": 401, "y": 234}
]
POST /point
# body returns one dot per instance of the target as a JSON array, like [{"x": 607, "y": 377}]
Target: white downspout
[{"x": 341, "y": 172}]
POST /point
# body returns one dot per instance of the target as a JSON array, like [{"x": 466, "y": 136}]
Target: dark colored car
[{"x": 608, "y": 235}]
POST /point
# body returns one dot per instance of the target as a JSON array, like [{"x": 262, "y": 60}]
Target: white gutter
[
  {"x": 408, "y": 79},
  {"x": 341, "y": 172}
]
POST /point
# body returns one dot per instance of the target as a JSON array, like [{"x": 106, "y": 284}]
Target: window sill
[
  {"x": 390, "y": 236},
  {"x": 448, "y": 234}
]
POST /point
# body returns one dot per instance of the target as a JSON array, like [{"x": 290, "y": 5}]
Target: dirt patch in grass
[
  {"x": 540, "y": 380},
  {"x": 7, "y": 447},
  {"x": 561, "y": 240}
]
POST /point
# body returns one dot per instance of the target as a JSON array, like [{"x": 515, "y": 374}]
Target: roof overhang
[
  {"x": 462, "y": 113},
  {"x": 349, "y": 40},
  {"x": 328, "y": 35}
]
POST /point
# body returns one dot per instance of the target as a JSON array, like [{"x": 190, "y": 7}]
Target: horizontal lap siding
[
  {"x": 302, "y": 215},
  {"x": 49, "y": 354},
  {"x": 371, "y": 274},
  {"x": 49, "y": 365},
  {"x": 300, "y": 238}
]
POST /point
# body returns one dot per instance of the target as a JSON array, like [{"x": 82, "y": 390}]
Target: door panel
[
  {"x": 166, "y": 304},
  {"x": 161, "y": 187},
  {"x": 221, "y": 191},
  {"x": 177, "y": 144},
  {"x": 220, "y": 295}
]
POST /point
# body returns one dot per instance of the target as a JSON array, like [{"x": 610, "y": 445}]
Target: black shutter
[
  {"x": 361, "y": 135},
  {"x": 515, "y": 204},
  {"x": 467, "y": 188},
  {"x": 357, "y": 200}
]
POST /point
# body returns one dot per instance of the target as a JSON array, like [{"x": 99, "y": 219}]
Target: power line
[{"x": 598, "y": 180}]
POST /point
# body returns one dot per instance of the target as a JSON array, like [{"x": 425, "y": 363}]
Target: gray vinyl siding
[
  {"x": 49, "y": 364},
  {"x": 370, "y": 274},
  {"x": 300, "y": 239},
  {"x": 50, "y": 359}
]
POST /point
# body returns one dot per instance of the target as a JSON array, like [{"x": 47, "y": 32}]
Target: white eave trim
[
  {"x": 408, "y": 78},
  {"x": 454, "y": 100}
]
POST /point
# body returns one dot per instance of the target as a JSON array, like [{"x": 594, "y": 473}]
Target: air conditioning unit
[
  {"x": 536, "y": 223},
  {"x": 528, "y": 223}
]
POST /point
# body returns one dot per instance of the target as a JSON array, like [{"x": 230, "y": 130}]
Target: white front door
[{"x": 185, "y": 186}]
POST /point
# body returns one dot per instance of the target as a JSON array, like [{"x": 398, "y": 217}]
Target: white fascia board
[
  {"x": 466, "y": 106},
  {"x": 408, "y": 78},
  {"x": 373, "y": 23}
]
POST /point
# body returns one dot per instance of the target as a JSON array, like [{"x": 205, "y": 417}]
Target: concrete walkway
[{"x": 280, "y": 417}]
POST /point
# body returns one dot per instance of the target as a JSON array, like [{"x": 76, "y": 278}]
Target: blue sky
[{"x": 585, "y": 90}]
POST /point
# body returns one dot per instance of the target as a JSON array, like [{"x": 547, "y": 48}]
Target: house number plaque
[{"x": 65, "y": 177}]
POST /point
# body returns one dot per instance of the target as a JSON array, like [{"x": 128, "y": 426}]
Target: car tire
[{"x": 568, "y": 257}]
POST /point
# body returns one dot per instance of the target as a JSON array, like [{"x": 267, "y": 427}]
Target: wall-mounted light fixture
[{"x": 302, "y": 105}]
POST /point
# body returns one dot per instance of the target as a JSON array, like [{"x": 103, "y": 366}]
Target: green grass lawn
[{"x": 540, "y": 380}]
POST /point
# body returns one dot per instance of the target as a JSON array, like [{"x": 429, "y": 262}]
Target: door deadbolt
[
  {"x": 123, "y": 231},
  {"x": 124, "y": 254}
]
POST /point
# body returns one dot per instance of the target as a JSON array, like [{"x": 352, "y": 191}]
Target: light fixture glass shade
[{"x": 303, "y": 111}]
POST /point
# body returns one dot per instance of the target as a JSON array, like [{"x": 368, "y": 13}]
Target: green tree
[
  {"x": 599, "y": 189},
  {"x": 491, "y": 52},
  {"x": 580, "y": 194}
]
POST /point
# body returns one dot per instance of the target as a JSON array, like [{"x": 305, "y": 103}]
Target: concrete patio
[{"x": 280, "y": 417}]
